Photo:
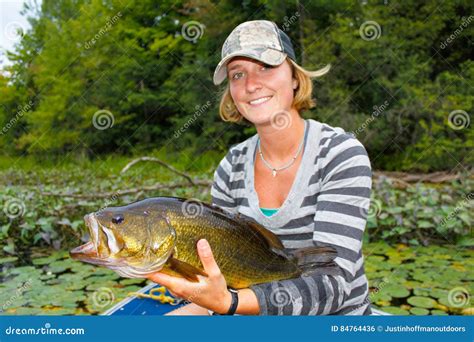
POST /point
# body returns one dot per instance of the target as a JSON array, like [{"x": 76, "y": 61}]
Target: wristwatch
[{"x": 233, "y": 305}]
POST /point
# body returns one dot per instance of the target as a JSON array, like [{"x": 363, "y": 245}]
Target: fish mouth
[
  {"x": 102, "y": 248},
  {"x": 90, "y": 251}
]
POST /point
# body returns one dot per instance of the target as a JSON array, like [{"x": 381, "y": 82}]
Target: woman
[{"x": 307, "y": 182}]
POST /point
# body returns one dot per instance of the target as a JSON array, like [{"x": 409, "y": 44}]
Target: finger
[
  {"x": 164, "y": 280},
  {"x": 207, "y": 258},
  {"x": 173, "y": 294}
]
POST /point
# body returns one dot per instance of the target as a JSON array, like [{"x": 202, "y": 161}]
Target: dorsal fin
[{"x": 219, "y": 209}]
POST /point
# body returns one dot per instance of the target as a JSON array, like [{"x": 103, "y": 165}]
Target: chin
[
  {"x": 259, "y": 119},
  {"x": 259, "y": 116}
]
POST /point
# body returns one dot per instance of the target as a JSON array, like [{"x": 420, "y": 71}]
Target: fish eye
[{"x": 117, "y": 219}]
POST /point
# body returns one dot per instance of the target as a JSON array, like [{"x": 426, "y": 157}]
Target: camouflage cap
[{"x": 258, "y": 39}]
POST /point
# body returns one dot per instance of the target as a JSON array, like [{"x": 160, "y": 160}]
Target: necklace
[{"x": 287, "y": 165}]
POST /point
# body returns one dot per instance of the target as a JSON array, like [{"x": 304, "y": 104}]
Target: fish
[{"x": 161, "y": 233}]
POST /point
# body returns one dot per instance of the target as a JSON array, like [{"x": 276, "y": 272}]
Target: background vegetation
[
  {"x": 94, "y": 84},
  {"x": 150, "y": 64}
]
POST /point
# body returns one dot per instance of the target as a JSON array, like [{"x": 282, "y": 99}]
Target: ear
[{"x": 295, "y": 83}]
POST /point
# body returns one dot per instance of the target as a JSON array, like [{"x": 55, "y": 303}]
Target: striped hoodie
[{"x": 326, "y": 206}]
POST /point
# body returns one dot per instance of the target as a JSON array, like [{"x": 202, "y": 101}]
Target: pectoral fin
[{"x": 182, "y": 269}]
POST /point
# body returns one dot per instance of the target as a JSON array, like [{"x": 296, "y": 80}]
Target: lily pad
[
  {"x": 378, "y": 296},
  {"x": 99, "y": 284},
  {"x": 22, "y": 270},
  {"x": 422, "y": 276},
  {"x": 419, "y": 291},
  {"x": 395, "y": 311},
  {"x": 60, "y": 266},
  {"x": 45, "y": 260},
  {"x": 419, "y": 311},
  {"x": 397, "y": 291},
  {"x": 422, "y": 302},
  {"x": 133, "y": 281},
  {"x": 438, "y": 313},
  {"x": 439, "y": 293}
]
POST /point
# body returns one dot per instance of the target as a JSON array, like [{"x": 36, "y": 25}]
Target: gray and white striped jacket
[{"x": 327, "y": 205}]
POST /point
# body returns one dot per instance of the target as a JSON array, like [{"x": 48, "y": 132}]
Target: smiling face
[{"x": 260, "y": 91}]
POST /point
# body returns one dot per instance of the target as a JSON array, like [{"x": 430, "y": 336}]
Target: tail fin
[{"x": 311, "y": 258}]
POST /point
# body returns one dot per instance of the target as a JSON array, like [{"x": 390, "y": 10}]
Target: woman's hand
[{"x": 210, "y": 292}]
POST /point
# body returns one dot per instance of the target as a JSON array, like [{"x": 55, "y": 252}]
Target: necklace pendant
[{"x": 274, "y": 173}]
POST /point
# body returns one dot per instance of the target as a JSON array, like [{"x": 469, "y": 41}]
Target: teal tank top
[{"x": 268, "y": 211}]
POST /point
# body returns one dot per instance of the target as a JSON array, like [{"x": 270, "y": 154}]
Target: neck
[{"x": 278, "y": 145}]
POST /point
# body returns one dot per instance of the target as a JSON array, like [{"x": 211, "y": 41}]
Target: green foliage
[
  {"x": 30, "y": 217},
  {"x": 133, "y": 61},
  {"x": 421, "y": 213}
]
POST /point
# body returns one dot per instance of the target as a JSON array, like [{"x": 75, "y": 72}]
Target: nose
[{"x": 252, "y": 83}]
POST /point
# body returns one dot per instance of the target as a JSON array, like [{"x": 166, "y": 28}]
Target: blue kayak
[{"x": 142, "y": 306}]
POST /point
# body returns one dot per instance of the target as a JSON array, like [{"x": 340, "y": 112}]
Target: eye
[
  {"x": 237, "y": 73},
  {"x": 117, "y": 219}
]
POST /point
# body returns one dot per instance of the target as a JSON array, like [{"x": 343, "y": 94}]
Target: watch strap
[{"x": 233, "y": 304}]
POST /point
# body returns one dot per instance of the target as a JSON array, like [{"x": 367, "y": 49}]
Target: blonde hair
[{"x": 302, "y": 99}]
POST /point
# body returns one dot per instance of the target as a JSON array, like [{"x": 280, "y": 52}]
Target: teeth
[{"x": 261, "y": 100}]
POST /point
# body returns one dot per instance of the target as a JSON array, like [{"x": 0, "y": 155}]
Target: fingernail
[{"x": 203, "y": 244}]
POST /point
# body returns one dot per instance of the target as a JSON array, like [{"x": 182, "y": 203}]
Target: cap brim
[{"x": 220, "y": 73}]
